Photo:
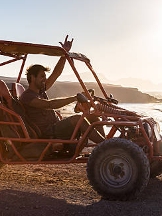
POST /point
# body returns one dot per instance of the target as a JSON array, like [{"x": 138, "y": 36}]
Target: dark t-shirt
[{"x": 45, "y": 119}]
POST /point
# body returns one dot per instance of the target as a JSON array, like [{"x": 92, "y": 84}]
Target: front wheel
[{"x": 118, "y": 169}]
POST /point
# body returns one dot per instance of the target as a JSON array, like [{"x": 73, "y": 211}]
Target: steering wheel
[
  {"x": 81, "y": 98},
  {"x": 82, "y": 104}
]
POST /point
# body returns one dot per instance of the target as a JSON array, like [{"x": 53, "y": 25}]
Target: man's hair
[{"x": 34, "y": 70}]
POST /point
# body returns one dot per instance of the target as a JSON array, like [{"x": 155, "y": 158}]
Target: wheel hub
[{"x": 116, "y": 170}]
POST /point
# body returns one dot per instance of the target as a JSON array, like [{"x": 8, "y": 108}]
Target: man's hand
[{"x": 67, "y": 44}]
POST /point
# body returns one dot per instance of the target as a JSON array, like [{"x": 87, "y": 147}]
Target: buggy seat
[
  {"x": 15, "y": 124},
  {"x": 15, "y": 105}
]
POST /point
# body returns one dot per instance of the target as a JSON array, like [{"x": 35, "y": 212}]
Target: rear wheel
[
  {"x": 118, "y": 169},
  {"x": 155, "y": 168}
]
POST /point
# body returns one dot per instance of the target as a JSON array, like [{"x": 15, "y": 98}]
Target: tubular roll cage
[{"x": 106, "y": 110}]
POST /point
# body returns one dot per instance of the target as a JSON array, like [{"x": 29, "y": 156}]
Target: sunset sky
[{"x": 123, "y": 38}]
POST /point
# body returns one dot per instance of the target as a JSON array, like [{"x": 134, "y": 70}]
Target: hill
[
  {"x": 143, "y": 84},
  {"x": 122, "y": 94},
  {"x": 156, "y": 94}
]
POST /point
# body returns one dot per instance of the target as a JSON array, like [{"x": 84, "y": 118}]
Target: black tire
[{"x": 118, "y": 169}]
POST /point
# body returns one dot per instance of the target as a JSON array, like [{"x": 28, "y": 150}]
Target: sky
[{"x": 122, "y": 38}]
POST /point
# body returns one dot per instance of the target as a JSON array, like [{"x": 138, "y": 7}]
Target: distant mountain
[
  {"x": 156, "y": 94},
  {"x": 143, "y": 85},
  {"x": 12, "y": 79},
  {"x": 122, "y": 94},
  {"x": 86, "y": 76}
]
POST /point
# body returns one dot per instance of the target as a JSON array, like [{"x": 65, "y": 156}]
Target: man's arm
[
  {"x": 52, "y": 104},
  {"x": 60, "y": 65},
  {"x": 56, "y": 72}
]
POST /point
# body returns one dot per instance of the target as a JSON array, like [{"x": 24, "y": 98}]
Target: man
[{"x": 41, "y": 110}]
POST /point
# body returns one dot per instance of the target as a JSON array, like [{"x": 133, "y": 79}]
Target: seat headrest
[{"x": 17, "y": 89}]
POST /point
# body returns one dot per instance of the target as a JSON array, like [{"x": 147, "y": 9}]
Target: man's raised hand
[{"x": 67, "y": 44}]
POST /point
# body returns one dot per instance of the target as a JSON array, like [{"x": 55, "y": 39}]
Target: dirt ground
[{"x": 63, "y": 190}]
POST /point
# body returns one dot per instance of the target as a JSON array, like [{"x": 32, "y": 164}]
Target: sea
[{"x": 153, "y": 110}]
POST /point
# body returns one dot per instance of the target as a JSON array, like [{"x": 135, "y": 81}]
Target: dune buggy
[{"x": 118, "y": 168}]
